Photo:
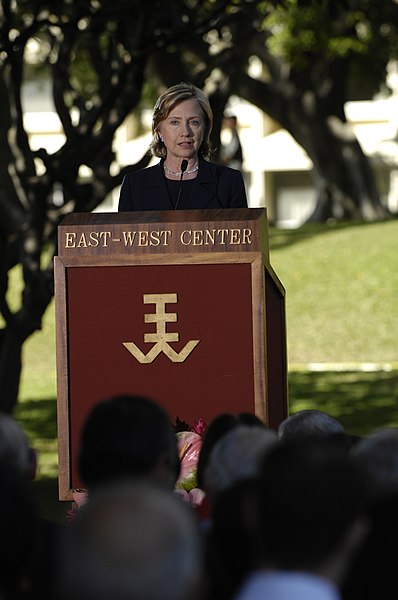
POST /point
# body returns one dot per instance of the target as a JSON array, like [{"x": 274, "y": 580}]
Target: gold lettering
[
  {"x": 129, "y": 237},
  {"x": 143, "y": 238},
  {"x": 154, "y": 239},
  {"x": 209, "y": 237},
  {"x": 105, "y": 235},
  {"x": 247, "y": 236},
  {"x": 166, "y": 235},
  {"x": 70, "y": 240},
  {"x": 222, "y": 233},
  {"x": 82, "y": 243},
  {"x": 235, "y": 236},
  {"x": 93, "y": 237},
  {"x": 197, "y": 237},
  {"x": 186, "y": 237}
]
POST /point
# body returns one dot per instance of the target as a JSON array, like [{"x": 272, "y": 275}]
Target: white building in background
[
  {"x": 277, "y": 170},
  {"x": 280, "y": 170}
]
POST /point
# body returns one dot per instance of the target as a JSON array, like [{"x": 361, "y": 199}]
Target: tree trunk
[
  {"x": 344, "y": 179},
  {"x": 38, "y": 292},
  {"x": 10, "y": 368}
]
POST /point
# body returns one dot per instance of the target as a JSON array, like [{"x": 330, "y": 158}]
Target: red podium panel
[{"x": 195, "y": 321}]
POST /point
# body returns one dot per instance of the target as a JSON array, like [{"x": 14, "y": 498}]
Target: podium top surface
[{"x": 164, "y": 232}]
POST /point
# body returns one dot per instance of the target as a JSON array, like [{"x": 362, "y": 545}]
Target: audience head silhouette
[
  {"x": 378, "y": 453},
  {"x": 126, "y": 437},
  {"x": 133, "y": 541},
  {"x": 220, "y": 425},
  {"x": 15, "y": 450},
  {"x": 373, "y": 573},
  {"x": 313, "y": 503},
  {"x": 309, "y": 423},
  {"x": 19, "y": 533},
  {"x": 236, "y": 456}
]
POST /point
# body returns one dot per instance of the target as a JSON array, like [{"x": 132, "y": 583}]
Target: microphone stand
[{"x": 184, "y": 166}]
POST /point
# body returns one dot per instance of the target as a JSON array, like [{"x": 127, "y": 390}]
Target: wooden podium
[{"x": 179, "y": 306}]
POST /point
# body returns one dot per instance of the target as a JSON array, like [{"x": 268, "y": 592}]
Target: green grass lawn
[{"x": 341, "y": 286}]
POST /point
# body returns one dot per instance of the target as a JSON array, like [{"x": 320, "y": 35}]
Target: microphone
[{"x": 184, "y": 166}]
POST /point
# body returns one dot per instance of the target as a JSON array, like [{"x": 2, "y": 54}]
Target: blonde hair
[{"x": 173, "y": 96}]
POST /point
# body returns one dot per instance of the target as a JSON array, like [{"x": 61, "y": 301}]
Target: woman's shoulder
[
  {"x": 222, "y": 169},
  {"x": 140, "y": 174},
  {"x": 223, "y": 174}
]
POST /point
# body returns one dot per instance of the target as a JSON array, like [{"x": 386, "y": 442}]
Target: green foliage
[
  {"x": 306, "y": 33},
  {"x": 299, "y": 32},
  {"x": 84, "y": 78}
]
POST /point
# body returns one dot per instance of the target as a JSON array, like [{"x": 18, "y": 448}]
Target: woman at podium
[{"x": 184, "y": 178}]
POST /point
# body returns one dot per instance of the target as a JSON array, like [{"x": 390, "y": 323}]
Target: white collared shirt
[{"x": 287, "y": 585}]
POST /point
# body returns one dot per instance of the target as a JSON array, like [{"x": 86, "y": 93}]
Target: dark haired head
[
  {"x": 220, "y": 425},
  {"x": 311, "y": 492},
  {"x": 127, "y": 437}
]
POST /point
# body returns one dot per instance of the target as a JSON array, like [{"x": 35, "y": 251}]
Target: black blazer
[{"x": 215, "y": 186}]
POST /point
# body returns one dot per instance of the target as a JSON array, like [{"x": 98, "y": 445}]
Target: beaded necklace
[{"x": 178, "y": 173}]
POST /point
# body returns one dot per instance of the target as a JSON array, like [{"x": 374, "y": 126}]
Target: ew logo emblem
[{"x": 161, "y": 337}]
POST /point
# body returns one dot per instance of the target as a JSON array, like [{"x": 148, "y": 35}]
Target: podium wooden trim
[{"x": 267, "y": 292}]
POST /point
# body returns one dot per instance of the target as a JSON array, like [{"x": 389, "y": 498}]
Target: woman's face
[{"x": 182, "y": 131}]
